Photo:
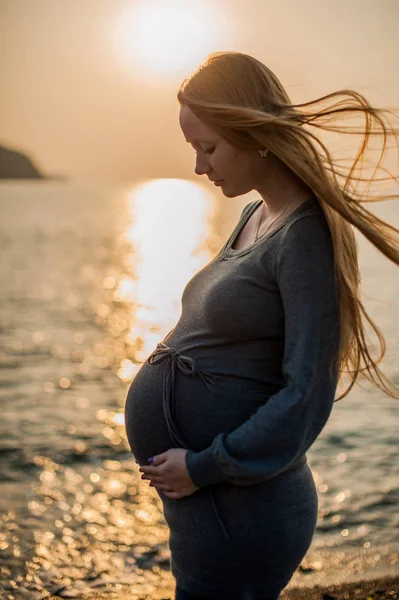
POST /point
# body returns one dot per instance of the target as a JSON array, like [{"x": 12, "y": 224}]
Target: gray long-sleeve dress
[{"x": 244, "y": 382}]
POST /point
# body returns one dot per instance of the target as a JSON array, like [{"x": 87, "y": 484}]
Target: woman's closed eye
[{"x": 209, "y": 151}]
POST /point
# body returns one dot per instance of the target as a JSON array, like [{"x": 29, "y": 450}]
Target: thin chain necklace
[{"x": 278, "y": 216}]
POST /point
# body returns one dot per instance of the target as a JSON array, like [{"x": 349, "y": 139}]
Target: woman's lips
[{"x": 218, "y": 182}]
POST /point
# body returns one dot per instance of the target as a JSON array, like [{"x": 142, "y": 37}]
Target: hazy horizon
[{"x": 79, "y": 108}]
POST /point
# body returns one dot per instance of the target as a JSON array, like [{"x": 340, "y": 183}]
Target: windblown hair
[{"x": 242, "y": 100}]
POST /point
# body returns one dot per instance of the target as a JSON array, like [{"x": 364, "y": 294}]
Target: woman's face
[{"x": 238, "y": 170}]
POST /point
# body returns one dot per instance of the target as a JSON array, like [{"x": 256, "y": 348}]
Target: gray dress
[{"x": 244, "y": 382}]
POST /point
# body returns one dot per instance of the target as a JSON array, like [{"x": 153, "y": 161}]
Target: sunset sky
[{"x": 88, "y": 87}]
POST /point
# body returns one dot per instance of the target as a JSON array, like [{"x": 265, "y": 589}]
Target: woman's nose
[{"x": 201, "y": 167}]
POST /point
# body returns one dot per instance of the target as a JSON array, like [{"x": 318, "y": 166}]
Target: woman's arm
[{"x": 283, "y": 429}]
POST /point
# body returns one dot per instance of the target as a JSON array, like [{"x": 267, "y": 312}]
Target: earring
[{"x": 263, "y": 153}]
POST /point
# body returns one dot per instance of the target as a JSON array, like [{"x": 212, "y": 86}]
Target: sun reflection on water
[{"x": 169, "y": 225}]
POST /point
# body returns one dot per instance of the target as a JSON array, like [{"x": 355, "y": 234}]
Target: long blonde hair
[{"x": 242, "y": 99}]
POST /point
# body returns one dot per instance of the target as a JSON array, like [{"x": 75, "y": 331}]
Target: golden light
[
  {"x": 169, "y": 37},
  {"x": 170, "y": 226}
]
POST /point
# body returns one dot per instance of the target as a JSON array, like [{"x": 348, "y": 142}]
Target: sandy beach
[
  {"x": 384, "y": 588},
  {"x": 378, "y": 590},
  {"x": 333, "y": 575}
]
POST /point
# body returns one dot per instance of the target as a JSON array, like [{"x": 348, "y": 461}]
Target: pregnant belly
[
  {"x": 201, "y": 412},
  {"x": 145, "y": 424}
]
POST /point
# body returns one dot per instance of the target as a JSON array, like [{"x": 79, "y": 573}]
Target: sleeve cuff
[{"x": 203, "y": 467}]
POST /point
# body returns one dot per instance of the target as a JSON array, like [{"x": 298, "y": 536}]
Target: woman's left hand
[{"x": 169, "y": 473}]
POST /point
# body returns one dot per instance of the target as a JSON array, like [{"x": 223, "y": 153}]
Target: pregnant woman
[{"x": 222, "y": 412}]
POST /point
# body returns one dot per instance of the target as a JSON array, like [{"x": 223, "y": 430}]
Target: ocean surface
[{"x": 91, "y": 279}]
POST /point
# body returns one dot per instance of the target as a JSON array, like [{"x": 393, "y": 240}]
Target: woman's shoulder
[
  {"x": 307, "y": 218},
  {"x": 306, "y": 237},
  {"x": 247, "y": 208}
]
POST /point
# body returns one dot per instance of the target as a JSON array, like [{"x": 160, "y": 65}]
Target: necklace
[{"x": 278, "y": 216}]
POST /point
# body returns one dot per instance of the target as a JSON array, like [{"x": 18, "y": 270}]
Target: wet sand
[
  {"x": 385, "y": 588},
  {"x": 327, "y": 575}
]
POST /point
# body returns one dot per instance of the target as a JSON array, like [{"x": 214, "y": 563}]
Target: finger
[
  {"x": 159, "y": 459},
  {"x": 156, "y": 480},
  {"x": 164, "y": 488},
  {"x": 161, "y": 483},
  {"x": 148, "y": 470},
  {"x": 149, "y": 476}
]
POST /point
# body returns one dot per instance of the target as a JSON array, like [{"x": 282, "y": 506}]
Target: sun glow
[
  {"x": 169, "y": 37},
  {"x": 169, "y": 234}
]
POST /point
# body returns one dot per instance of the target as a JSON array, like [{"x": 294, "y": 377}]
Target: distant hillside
[{"x": 16, "y": 165}]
